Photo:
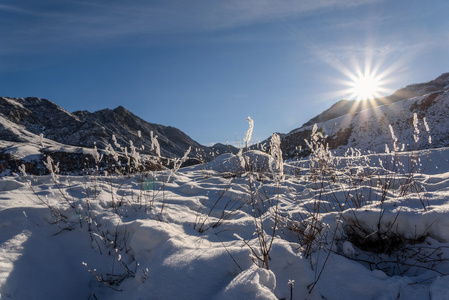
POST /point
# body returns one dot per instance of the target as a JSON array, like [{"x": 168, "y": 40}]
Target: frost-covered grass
[{"x": 246, "y": 226}]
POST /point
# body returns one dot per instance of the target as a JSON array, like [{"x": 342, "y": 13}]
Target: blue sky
[{"x": 203, "y": 66}]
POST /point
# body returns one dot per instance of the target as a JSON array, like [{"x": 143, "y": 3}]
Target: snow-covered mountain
[
  {"x": 85, "y": 129},
  {"x": 365, "y": 124},
  {"x": 23, "y": 120}
]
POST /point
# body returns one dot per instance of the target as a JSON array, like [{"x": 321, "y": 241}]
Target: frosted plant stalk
[
  {"x": 178, "y": 163},
  {"x": 249, "y": 133},
  {"x": 427, "y": 129},
  {"x": 426, "y": 126},
  {"x": 395, "y": 139},
  {"x": 155, "y": 144},
  {"x": 51, "y": 167},
  {"x": 134, "y": 154},
  {"x": 314, "y": 138},
  {"x": 415, "y": 125},
  {"x": 276, "y": 162},
  {"x": 41, "y": 140},
  {"x": 110, "y": 150},
  {"x": 116, "y": 144},
  {"x": 96, "y": 155},
  {"x": 241, "y": 159}
]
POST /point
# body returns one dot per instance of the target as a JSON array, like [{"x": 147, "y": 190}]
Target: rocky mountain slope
[
  {"x": 24, "y": 120},
  {"x": 85, "y": 129},
  {"x": 365, "y": 124}
]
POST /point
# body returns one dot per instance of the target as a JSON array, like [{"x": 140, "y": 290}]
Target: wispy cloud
[{"x": 49, "y": 23}]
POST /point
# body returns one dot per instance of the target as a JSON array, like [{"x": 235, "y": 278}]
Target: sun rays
[
  {"x": 365, "y": 82},
  {"x": 365, "y": 86}
]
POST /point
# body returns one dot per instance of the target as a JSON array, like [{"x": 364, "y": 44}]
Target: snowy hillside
[
  {"x": 344, "y": 107},
  {"x": 365, "y": 124}
]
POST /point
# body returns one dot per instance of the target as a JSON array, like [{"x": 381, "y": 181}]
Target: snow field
[{"x": 193, "y": 237}]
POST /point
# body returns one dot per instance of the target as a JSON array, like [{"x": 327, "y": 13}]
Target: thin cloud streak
[{"x": 75, "y": 22}]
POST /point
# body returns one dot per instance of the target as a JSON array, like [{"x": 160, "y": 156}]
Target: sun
[
  {"x": 365, "y": 87},
  {"x": 364, "y": 81}
]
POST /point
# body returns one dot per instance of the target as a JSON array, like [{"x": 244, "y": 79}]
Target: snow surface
[{"x": 186, "y": 238}]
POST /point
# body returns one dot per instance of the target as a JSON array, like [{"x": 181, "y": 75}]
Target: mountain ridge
[
  {"x": 346, "y": 122},
  {"x": 86, "y": 129},
  {"x": 344, "y": 106},
  {"x": 31, "y": 128}
]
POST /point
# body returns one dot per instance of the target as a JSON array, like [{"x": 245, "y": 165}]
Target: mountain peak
[
  {"x": 443, "y": 78},
  {"x": 32, "y": 116},
  {"x": 120, "y": 110}
]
